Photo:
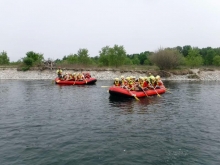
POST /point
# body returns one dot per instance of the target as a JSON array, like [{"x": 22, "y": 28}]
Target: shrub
[
  {"x": 194, "y": 59},
  {"x": 216, "y": 61},
  {"x": 4, "y": 58},
  {"x": 28, "y": 61},
  {"x": 166, "y": 58},
  {"x": 25, "y": 68}
]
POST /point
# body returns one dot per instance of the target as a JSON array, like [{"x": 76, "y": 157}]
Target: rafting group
[
  {"x": 141, "y": 87},
  {"x": 74, "y": 78},
  {"x": 123, "y": 86},
  {"x": 142, "y": 83}
]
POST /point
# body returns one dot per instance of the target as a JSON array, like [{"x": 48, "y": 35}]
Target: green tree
[
  {"x": 128, "y": 61},
  {"x": 147, "y": 62},
  {"x": 72, "y": 59},
  {"x": 166, "y": 58},
  {"x": 143, "y": 56},
  {"x": 36, "y": 57},
  {"x": 4, "y": 59},
  {"x": 185, "y": 50},
  {"x": 136, "y": 61},
  {"x": 194, "y": 58},
  {"x": 179, "y": 48},
  {"x": 104, "y": 56},
  {"x": 95, "y": 60},
  {"x": 117, "y": 56},
  {"x": 28, "y": 61},
  {"x": 83, "y": 57},
  {"x": 210, "y": 55},
  {"x": 216, "y": 60}
]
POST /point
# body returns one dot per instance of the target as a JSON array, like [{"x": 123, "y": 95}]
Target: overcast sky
[{"x": 61, "y": 27}]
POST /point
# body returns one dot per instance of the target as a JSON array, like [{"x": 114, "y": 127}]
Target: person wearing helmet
[
  {"x": 59, "y": 73},
  {"x": 151, "y": 81},
  {"x": 87, "y": 75},
  {"x": 66, "y": 76},
  {"x": 122, "y": 81},
  {"x": 116, "y": 82},
  {"x": 127, "y": 78},
  {"x": 74, "y": 76},
  {"x": 147, "y": 82},
  {"x": 141, "y": 83},
  {"x": 126, "y": 82},
  {"x": 134, "y": 79},
  {"x": 70, "y": 76},
  {"x": 158, "y": 81},
  {"x": 131, "y": 85}
]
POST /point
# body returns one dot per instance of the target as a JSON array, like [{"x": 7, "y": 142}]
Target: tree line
[{"x": 116, "y": 56}]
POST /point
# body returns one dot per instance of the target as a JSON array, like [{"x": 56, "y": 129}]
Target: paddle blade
[{"x": 136, "y": 98}]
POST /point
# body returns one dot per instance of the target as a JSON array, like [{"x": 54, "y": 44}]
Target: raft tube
[
  {"x": 88, "y": 81},
  {"x": 122, "y": 92}
]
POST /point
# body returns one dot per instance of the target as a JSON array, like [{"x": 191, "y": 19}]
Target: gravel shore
[{"x": 12, "y": 73}]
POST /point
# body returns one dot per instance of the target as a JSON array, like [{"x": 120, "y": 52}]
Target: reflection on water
[{"x": 131, "y": 105}]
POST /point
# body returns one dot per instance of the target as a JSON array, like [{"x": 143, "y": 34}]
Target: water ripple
[{"x": 42, "y": 123}]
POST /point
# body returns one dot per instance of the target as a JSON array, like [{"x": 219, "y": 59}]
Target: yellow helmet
[
  {"x": 122, "y": 77},
  {"x": 141, "y": 78},
  {"x": 152, "y": 78},
  {"x": 131, "y": 82},
  {"x": 157, "y": 77},
  {"x": 147, "y": 79},
  {"x": 127, "y": 78},
  {"x": 116, "y": 79}
]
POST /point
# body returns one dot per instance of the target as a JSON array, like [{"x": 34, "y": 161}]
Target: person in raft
[
  {"x": 142, "y": 84},
  {"x": 80, "y": 77},
  {"x": 117, "y": 82},
  {"x": 131, "y": 85},
  {"x": 151, "y": 80},
  {"x": 158, "y": 82},
  {"x": 59, "y": 72},
  {"x": 123, "y": 81}
]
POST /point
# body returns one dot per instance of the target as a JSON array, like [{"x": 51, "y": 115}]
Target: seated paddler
[
  {"x": 142, "y": 84},
  {"x": 158, "y": 82},
  {"x": 117, "y": 82},
  {"x": 152, "y": 81},
  {"x": 123, "y": 81}
]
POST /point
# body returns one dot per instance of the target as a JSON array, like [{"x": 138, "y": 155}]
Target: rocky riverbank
[{"x": 192, "y": 74}]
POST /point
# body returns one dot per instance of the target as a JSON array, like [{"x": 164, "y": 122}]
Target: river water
[{"x": 42, "y": 123}]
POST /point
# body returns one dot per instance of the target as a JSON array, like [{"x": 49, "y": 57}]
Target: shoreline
[{"x": 194, "y": 75}]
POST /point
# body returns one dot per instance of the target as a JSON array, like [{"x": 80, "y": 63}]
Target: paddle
[
  {"x": 105, "y": 86},
  {"x": 74, "y": 82},
  {"x": 157, "y": 92},
  {"x": 144, "y": 91},
  {"x": 132, "y": 94},
  {"x": 167, "y": 90}
]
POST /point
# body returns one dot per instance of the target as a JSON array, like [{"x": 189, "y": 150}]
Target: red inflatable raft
[
  {"x": 122, "y": 92},
  {"x": 88, "y": 81}
]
